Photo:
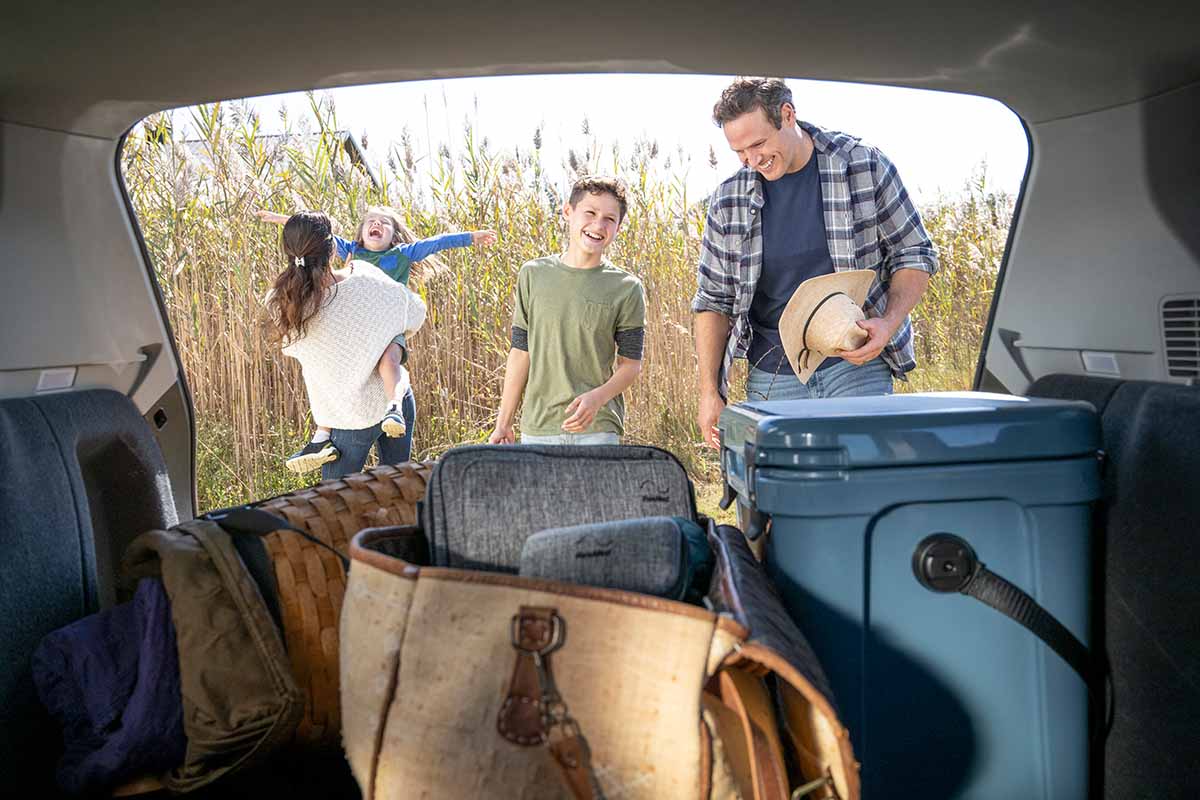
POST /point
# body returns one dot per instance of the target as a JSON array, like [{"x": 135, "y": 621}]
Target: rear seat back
[
  {"x": 1148, "y": 580},
  {"x": 80, "y": 476}
]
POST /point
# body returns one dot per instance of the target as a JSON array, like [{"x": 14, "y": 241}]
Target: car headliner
[{"x": 98, "y": 68}]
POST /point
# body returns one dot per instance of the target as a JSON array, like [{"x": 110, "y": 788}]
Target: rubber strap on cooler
[{"x": 945, "y": 563}]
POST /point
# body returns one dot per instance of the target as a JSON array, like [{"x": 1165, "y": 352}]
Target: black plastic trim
[
  {"x": 981, "y": 365},
  {"x": 148, "y": 264}
]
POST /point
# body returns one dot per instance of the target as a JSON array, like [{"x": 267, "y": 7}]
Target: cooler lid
[{"x": 903, "y": 429}]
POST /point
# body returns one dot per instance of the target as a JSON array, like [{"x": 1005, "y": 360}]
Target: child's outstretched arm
[
  {"x": 344, "y": 246},
  {"x": 424, "y": 248},
  {"x": 516, "y": 375},
  {"x": 270, "y": 216}
]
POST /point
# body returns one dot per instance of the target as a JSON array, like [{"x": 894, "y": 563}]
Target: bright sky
[{"x": 935, "y": 139}]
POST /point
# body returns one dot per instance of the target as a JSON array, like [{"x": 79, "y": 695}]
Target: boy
[{"x": 573, "y": 314}]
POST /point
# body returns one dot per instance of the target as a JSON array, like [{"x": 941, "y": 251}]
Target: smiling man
[
  {"x": 807, "y": 202},
  {"x": 573, "y": 317}
]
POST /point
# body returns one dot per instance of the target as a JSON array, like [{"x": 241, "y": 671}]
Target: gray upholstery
[
  {"x": 482, "y": 502},
  {"x": 1147, "y": 581},
  {"x": 80, "y": 476}
]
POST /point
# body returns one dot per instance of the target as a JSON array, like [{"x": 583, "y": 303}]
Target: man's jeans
[
  {"x": 355, "y": 445},
  {"x": 572, "y": 438},
  {"x": 841, "y": 380}
]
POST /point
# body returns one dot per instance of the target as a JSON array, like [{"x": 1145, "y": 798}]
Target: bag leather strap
[
  {"x": 741, "y": 705},
  {"x": 748, "y": 696},
  {"x": 574, "y": 758},
  {"x": 534, "y": 713},
  {"x": 729, "y": 729},
  {"x": 520, "y": 720}
]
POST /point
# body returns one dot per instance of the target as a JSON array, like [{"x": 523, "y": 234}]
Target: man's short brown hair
[
  {"x": 746, "y": 94},
  {"x": 599, "y": 184}
]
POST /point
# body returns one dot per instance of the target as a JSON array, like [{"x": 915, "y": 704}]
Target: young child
[
  {"x": 572, "y": 315},
  {"x": 380, "y": 241}
]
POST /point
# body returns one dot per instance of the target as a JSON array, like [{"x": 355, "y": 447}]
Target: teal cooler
[{"x": 943, "y": 695}]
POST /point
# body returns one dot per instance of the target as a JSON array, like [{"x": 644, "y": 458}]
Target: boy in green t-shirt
[{"x": 573, "y": 315}]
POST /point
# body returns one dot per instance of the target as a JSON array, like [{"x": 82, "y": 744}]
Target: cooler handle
[{"x": 756, "y": 521}]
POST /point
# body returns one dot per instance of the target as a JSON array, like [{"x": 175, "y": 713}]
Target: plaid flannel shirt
[{"x": 870, "y": 223}]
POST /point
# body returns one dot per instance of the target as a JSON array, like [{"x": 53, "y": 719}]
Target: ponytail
[{"x": 299, "y": 290}]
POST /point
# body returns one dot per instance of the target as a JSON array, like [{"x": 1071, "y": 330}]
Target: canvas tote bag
[{"x": 467, "y": 683}]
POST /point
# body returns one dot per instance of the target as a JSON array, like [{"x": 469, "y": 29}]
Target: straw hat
[{"x": 820, "y": 319}]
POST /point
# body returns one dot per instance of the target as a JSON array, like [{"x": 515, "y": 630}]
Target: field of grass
[{"x": 214, "y": 261}]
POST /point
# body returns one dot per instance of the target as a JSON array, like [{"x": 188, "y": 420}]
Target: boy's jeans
[
  {"x": 572, "y": 438},
  {"x": 841, "y": 380}
]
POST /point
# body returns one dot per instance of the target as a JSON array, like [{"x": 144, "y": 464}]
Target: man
[{"x": 807, "y": 202}]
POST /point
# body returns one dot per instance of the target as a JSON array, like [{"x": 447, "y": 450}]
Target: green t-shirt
[{"x": 572, "y": 317}]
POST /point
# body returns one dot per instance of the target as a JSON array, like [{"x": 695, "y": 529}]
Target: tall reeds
[{"x": 214, "y": 261}]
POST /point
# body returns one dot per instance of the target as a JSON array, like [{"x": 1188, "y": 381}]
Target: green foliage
[{"x": 195, "y": 202}]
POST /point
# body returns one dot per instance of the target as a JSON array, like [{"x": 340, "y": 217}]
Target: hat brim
[{"x": 853, "y": 283}]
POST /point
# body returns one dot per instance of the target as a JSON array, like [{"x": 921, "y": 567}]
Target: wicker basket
[{"x": 312, "y": 582}]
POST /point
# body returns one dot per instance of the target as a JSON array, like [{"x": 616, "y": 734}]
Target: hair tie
[{"x": 299, "y": 261}]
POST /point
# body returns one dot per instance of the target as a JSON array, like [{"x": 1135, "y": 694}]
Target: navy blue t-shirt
[{"x": 794, "y": 249}]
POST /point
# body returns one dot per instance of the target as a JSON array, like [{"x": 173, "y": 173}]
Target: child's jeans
[
  {"x": 356, "y": 445},
  {"x": 403, "y": 385}
]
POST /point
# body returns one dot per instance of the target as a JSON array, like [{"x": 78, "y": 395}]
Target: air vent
[{"x": 1181, "y": 336}]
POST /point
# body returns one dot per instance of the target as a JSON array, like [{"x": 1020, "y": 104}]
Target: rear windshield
[{"x": 210, "y": 185}]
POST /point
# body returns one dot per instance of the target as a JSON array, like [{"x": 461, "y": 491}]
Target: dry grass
[{"x": 214, "y": 262}]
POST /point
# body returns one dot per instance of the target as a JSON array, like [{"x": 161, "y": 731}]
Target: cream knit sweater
[{"x": 341, "y": 348}]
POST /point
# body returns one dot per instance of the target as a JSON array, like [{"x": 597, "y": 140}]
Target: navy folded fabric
[
  {"x": 700, "y": 560},
  {"x": 111, "y": 680}
]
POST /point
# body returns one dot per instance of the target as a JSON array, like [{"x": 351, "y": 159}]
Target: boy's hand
[
  {"x": 482, "y": 238},
  {"x": 502, "y": 435},
  {"x": 582, "y": 412}
]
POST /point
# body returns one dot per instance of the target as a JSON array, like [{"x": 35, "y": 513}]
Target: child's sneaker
[
  {"x": 312, "y": 456},
  {"x": 393, "y": 424}
]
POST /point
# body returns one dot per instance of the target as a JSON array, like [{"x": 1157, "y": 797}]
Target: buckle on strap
[{"x": 538, "y": 630}]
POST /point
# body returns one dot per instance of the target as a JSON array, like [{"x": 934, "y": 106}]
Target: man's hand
[
  {"x": 582, "y": 412},
  {"x": 711, "y": 406},
  {"x": 879, "y": 333},
  {"x": 482, "y": 238},
  {"x": 903, "y": 295},
  {"x": 503, "y": 434}
]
